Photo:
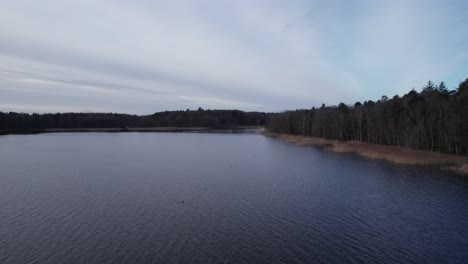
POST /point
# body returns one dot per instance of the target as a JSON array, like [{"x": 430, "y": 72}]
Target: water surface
[{"x": 219, "y": 198}]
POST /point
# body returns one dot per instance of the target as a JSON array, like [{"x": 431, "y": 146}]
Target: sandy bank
[{"x": 394, "y": 154}]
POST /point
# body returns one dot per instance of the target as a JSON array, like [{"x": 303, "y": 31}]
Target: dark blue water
[{"x": 219, "y": 198}]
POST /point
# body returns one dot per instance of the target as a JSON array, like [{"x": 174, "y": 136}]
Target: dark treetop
[
  {"x": 435, "y": 119},
  {"x": 201, "y": 118}
]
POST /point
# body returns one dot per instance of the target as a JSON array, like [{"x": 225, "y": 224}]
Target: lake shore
[
  {"x": 130, "y": 129},
  {"x": 393, "y": 154}
]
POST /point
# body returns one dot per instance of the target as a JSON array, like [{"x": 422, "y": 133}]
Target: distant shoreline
[
  {"x": 399, "y": 155},
  {"x": 117, "y": 130}
]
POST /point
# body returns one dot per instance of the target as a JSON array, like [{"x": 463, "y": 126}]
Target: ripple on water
[{"x": 101, "y": 198}]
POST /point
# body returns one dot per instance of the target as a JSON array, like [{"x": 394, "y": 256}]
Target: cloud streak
[{"x": 151, "y": 56}]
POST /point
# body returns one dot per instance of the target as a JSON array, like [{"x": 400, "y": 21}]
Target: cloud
[
  {"x": 147, "y": 56},
  {"x": 47, "y": 108}
]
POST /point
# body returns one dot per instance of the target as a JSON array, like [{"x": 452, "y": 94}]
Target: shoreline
[
  {"x": 120, "y": 130},
  {"x": 394, "y": 154}
]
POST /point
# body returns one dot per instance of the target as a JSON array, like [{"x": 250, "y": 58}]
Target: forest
[
  {"x": 434, "y": 119},
  {"x": 189, "y": 118}
]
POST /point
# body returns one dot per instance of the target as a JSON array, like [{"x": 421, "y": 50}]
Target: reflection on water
[{"x": 219, "y": 198}]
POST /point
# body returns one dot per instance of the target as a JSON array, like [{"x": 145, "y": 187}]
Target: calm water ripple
[{"x": 219, "y": 198}]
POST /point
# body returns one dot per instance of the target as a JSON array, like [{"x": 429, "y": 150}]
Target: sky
[{"x": 141, "y": 57}]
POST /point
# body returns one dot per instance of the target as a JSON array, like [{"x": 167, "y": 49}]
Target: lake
[{"x": 219, "y": 198}]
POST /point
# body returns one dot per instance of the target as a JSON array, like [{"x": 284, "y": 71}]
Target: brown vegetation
[{"x": 393, "y": 154}]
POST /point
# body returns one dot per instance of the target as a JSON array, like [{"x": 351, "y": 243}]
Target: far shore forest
[
  {"x": 188, "y": 118},
  {"x": 434, "y": 119}
]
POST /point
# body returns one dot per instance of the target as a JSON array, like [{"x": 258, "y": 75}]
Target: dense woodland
[
  {"x": 434, "y": 119},
  {"x": 200, "y": 118}
]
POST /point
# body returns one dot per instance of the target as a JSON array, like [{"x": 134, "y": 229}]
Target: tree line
[
  {"x": 434, "y": 119},
  {"x": 12, "y": 121}
]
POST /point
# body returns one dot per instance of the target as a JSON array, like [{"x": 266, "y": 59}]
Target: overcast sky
[{"x": 140, "y": 57}]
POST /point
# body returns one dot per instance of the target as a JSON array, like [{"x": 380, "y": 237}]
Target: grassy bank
[{"x": 393, "y": 154}]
